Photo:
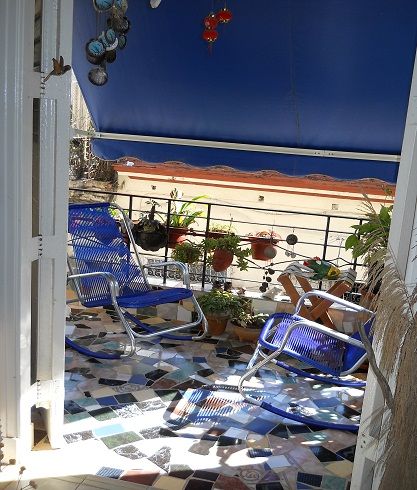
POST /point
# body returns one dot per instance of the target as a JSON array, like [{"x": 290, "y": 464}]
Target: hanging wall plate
[
  {"x": 110, "y": 56},
  {"x": 98, "y": 76},
  {"x": 103, "y": 5},
  {"x": 95, "y": 51},
  {"x": 122, "y": 41}
]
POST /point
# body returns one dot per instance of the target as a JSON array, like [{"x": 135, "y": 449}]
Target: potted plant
[
  {"x": 181, "y": 218},
  {"x": 218, "y": 307},
  {"x": 370, "y": 241},
  {"x": 249, "y": 325},
  {"x": 187, "y": 252},
  {"x": 263, "y": 245},
  {"x": 149, "y": 233},
  {"x": 219, "y": 230},
  {"x": 222, "y": 250}
]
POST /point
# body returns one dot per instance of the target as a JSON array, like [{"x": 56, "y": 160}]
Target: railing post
[
  {"x": 203, "y": 278},
  {"x": 164, "y": 280},
  {"x": 130, "y": 211},
  {"x": 326, "y": 237}
]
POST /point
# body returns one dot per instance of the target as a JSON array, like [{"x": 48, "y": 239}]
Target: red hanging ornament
[
  {"x": 210, "y": 35},
  {"x": 224, "y": 15},
  {"x": 211, "y": 21}
]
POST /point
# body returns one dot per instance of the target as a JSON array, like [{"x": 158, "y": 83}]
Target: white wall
[{"x": 280, "y": 200}]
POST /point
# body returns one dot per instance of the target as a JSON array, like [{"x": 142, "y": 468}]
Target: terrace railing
[{"x": 319, "y": 234}]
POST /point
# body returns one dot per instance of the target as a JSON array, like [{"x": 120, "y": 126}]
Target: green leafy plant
[
  {"x": 187, "y": 252},
  {"x": 218, "y": 227},
  {"x": 370, "y": 239},
  {"x": 220, "y": 303},
  {"x": 186, "y": 214},
  {"x": 231, "y": 243},
  {"x": 245, "y": 316}
]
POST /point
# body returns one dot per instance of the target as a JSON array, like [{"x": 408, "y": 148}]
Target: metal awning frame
[{"x": 312, "y": 152}]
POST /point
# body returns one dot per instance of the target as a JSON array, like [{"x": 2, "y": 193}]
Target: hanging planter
[
  {"x": 263, "y": 245},
  {"x": 222, "y": 250},
  {"x": 149, "y": 233},
  {"x": 221, "y": 260}
]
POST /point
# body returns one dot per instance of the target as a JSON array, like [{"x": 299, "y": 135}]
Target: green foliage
[
  {"x": 231, "y": 243},
  {"x": 187, "y": 252},
  {"x": 222, "y": 227},
  {"x": 370, "y": 239},
  {"x": 186, "y": 215},
  {"x": 221, "y": 303}
]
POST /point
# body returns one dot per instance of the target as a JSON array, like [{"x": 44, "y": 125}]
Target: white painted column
[
  {"x": 53, "y": 204},
  {"x": 17, "y": 248},
  {"x": 19, "y": 85},
  {"x": 402, "y": 239}
]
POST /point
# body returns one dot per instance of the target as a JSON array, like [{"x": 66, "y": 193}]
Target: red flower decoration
[
  {"x": 224, "y": 15},
  {"x": 211, "y": 21},
  {"x": 210, "y": 35}
]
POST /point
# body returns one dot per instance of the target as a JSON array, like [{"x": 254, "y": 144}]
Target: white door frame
[
  {"x": 19, "y": 85},
  {"x": 402, "y": 240}
]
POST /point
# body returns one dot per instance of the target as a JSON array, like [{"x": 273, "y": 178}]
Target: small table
[{"x": 319, "y": 307}]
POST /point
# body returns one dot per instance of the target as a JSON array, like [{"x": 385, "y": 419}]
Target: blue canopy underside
[
  {"x": 294, "y": 165},
  {"x": 328, "y": 74}
]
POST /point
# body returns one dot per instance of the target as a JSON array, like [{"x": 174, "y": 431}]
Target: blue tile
[
  {"x": 260, "y": 426},
  {"x": 254, "y": 452},
  {"x": 106, "y": 401},
  {"x": 327, "y": 402},
  {"x": 199, "y": 359},
  {"x": 108, "y": 430},
  {"x": 138, "y": 379},
  {"x": 107, "y": 472}
]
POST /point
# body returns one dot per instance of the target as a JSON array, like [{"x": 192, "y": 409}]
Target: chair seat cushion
[
  {"x": 147, "y": 298},
  {"x": 316, "y": 349},
  {"x": 155, "y": 297}
]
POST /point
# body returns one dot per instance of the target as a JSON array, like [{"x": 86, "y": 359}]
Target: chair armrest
[
  {"x": 111, "y": 281},
  {"x": 180, "y": 265},
  {"x": 332, "y": 299}
]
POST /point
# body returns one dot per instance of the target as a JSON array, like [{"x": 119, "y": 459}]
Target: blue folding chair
[
  {"x": 105, "y": 272},
  {"x": 332, "y": 353}
]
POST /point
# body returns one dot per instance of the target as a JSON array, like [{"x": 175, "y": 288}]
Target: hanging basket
[
  {"x": 263, "y": 245},
  {"x": 222, "y": 259},
  {"x": 149, "y": 233}
]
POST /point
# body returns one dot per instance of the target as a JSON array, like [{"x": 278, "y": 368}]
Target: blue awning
[{"x": 328, "y": 74}]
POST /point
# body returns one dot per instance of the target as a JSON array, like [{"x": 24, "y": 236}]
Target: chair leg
[
  {"x": 297, "y": 416},
  {"x": 200, "y": 318},
  {"x": 167, "y": 332},
  {"x": 254, "y": 357}
]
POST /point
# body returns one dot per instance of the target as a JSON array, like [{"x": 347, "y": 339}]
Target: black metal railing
[{"x": 318, "y": 240}]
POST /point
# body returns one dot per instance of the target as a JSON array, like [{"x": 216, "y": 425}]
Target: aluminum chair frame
[
  {"x": 126, "y": 317},
  {"x": 253, "y": 367}
]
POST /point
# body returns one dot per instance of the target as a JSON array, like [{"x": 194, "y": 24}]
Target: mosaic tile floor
[{"x": 168, "y": 429}]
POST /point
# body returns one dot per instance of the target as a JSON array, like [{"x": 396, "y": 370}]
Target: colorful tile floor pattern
[{"x": 168, "y": 430}]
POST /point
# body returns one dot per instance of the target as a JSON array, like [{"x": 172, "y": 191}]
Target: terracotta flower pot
[
  {"x": 217, "y": 324},
  {"x": 176, "y": 236},
  {"x": 222, "y": 259},
  {"x": 216, "y": 234},
  {"x": 263, "y": 248},
  {"x": 246, "y": 334}
]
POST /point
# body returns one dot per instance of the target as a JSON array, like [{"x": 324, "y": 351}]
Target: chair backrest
[
  {"x": 97, "y": 245},
  {"x": 352, "y": 354}
]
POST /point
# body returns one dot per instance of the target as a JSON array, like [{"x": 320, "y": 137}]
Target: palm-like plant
[{"x": 186, "y": 215}]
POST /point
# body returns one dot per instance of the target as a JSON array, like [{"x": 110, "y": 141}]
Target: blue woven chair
[
  {"x": 105, "y": 272},
  {"x": 332, "y": 353}
]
